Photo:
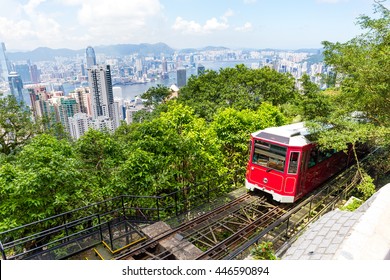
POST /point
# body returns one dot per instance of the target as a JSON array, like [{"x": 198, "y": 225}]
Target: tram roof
[{"x": 291, "y": 134}]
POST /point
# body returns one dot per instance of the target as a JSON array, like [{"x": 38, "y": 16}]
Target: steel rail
[{"x": 193, "y": 222}]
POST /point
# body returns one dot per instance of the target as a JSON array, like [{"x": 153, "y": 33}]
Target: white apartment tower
[
  {"x": 79, "y": 125},
  {"x": 102, "y": 97}
]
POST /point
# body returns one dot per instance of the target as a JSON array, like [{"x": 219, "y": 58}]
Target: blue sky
[{"x": 75, "y": 24}]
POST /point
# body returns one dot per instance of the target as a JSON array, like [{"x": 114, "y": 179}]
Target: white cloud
[
  {"x": 186, "y": 26},
  {"x": 77, "y": 23},
  {"x": 119, "y": 20},
  {"x": 193, "y": 27},
  {"x": 246, "y": 27},
  {"x": 29, "y": 28},
  {"x": 214, "y": 24},
  {"x": 227, "y": 14}
]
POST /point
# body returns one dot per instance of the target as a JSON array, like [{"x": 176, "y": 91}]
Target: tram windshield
[{"x": 269, "y": 155}]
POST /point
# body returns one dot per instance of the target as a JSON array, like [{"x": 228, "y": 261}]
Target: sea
[{"x": 129, "y": 92}]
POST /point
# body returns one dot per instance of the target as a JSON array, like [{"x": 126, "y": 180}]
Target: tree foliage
[
  {"x": 364, "y": 64},
  {"x": 362, "y": 103},
  {"x": 16, "y": 126},
  {"x": 239, "y": 88},
  {"x": 233, "y": 129},
  {"x": 156, "y": 95},
  {"x": 44, "y": 180}
]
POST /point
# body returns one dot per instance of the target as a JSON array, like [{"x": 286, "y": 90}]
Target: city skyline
[{"x": 76, "y": 24}]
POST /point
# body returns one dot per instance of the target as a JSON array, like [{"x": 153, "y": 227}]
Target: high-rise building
[
  {"x": 35, "y": 76},
  {"x": 67, "y": 107},
  {"x": 24, "y": 71},
  {"x": 201, "y": 69},
  {"x": 4, "y": 64},
  {"x": 181, "y": 77},
  {"x": 79, "y": 125},
  {"x": 83, "y": 98},
  {"x": 90, "y": 56},
  {"x": 16, "y": 86},
  {"x": 102, "y": 96}
]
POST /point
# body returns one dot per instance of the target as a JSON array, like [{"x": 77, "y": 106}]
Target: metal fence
[{"x": 66, "y": 234}]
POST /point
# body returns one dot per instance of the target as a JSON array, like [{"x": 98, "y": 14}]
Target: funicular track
[
  {"x": 230, "y": 231},
  {"x": 218, "y": 231},
  {"x": 243, "y": 202}
]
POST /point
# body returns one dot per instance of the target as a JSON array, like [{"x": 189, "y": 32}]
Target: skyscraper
[
  {"x": 79, "y": 124},
  {"x": 67, "y": 108},
  {"x": 201, "y": 69},
  {"x": 90, "y": 56},
  {"x": 24, "y": 72},
  {"x": 16, "y": 86},
  {"x": 181, "y": 77},
  {"x": 4, "y": 64},
  {"x": 34, "y": 72},
  {"x": 102, "y": 95}
]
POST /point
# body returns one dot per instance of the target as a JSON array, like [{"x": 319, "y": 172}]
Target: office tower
[
  {"x": 181, "y": 77},
  {"x": 16, "y": 86},
  {"x": 35, "y": 76},
  {"x": 82, "y": 70},
  {"x": 79, "y": 125},
  {"x": 83, "y": 98},
  {"x": 4, "y": 64},
  {"x": 103, "y": 123},
  {"x": 139, "y": 67},
  {"x": 201, "y": 69},
  {"x": 102, "y": 96},
  {"x": 67, "y": 107},
  {"x": 164, "y": 69},
  {"x": 90, "y": 56},
  {"x": 24, "y": 71}
]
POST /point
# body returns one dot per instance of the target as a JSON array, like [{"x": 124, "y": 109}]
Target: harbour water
[{"x": 130, "y": 91}]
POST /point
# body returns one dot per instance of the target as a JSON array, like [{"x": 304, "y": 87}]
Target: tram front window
[{"x": 269, "y": 155}]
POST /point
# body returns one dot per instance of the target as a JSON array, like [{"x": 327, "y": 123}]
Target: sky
[{"x": 283, "y": 24}]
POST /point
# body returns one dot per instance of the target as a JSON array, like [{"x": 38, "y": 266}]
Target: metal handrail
[{"x": 117, "y": 206}]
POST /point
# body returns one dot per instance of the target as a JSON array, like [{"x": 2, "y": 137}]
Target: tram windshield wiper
[{"x": 269, "y": 170}]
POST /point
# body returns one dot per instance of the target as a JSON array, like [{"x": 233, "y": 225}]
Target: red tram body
[{"x": 286, "y": 164}]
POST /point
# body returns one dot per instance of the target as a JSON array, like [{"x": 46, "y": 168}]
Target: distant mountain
[
  {"x": 208, "y": 48},
  {"x": 44, "y": 54}
]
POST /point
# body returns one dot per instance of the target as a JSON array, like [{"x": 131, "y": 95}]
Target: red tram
[{"x": 286, "y": 164}]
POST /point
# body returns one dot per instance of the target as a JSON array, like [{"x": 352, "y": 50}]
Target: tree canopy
[{"x": 239, "y": 88}]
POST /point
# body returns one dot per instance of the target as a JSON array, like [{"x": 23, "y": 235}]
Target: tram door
[{"x": 302, "y": 173}]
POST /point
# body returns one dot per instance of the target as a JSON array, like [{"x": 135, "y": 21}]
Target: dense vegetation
[{"x": 202, "y": 134}]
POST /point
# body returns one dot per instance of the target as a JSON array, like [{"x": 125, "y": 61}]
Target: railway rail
[
  {"x": 230, "y": 231},
  {"x": 219, "y": 211}
]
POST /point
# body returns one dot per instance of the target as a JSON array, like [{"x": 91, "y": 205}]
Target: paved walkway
[{"x": 341, "y": 235}]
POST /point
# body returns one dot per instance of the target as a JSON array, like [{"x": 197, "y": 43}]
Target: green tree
[
  {"x": 168, "y": 153},
  {"x": 362, "y": 102},
  {"x": 156, "y": 95},
  {"x": 100, "y": 154},
  {"x": 233, "y": 129},
  {"x": 364, "y": 64},
  {"x": 240, "y": 88},
  {"x": 16, "y": 126},
  {"x": 43, "y": 180},
  {"x": 313, "y": 103}
]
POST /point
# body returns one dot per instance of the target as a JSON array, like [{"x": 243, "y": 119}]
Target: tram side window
[
  {"x": 313, "y": 157},
  {"x": 316, "y": 156},
  {"x": 293, "y": 165},
  {"x": 269, "y": 155}
]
